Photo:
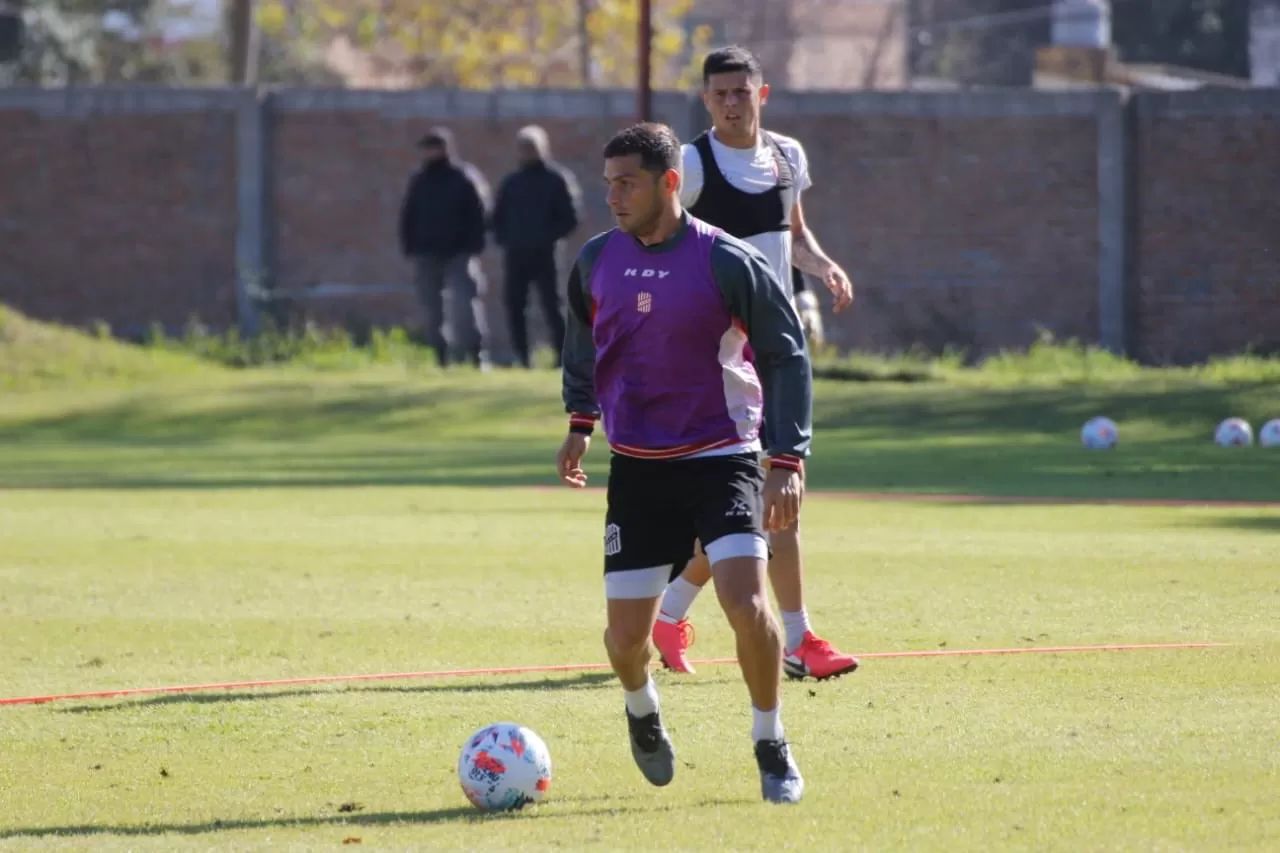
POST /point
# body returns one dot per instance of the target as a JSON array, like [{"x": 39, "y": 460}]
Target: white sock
[
  {"x": 644, "y": 701},
  {"x": 677, "y": 600},
  {"x": 766, "y": 725},
  {"x": 796, "y": 625}
]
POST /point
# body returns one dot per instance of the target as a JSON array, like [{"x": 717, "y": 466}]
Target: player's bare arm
[
  {"x": 809, "y": 257},
  {"x": 783, "y": 494},
  {"x": 569, "y": 460}
]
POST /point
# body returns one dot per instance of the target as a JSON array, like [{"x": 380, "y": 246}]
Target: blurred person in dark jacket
[
  {"x": 442, "y": 228},
  {"x": 537, "y": 207}
]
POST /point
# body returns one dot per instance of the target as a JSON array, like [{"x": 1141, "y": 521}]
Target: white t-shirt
[{"x": 751, "y": 170}]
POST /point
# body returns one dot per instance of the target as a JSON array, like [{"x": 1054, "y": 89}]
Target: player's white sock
[
  {"x": 796, "y": 625},
  {"x": 677, "y": 600},
  {"x": 766, "y": 725},
  {"x": 644, "y": 701}
]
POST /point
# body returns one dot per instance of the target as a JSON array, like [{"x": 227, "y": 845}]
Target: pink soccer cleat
[
  {"x": 816, "y": 658},
  {"x": 673, "y": 639}
]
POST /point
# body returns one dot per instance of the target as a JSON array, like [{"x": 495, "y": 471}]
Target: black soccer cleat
[
  {"x": 780, "y": 779},
  {"x": 652, "y": 748}
]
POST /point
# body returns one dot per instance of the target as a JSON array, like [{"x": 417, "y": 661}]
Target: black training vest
[{"x": 739, "y": 213}]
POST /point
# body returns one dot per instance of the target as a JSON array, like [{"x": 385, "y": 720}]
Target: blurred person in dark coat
[
  {"x": 537, "y": 207},
  {"x": 442, "y": 228}
]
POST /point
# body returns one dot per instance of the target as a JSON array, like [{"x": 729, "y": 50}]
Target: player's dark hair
[
  {"x": 657, "y": 145},
  {"x": 734, "y": 59}
]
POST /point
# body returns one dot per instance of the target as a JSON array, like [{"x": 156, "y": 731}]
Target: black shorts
[{"x": 658, "y": 508}]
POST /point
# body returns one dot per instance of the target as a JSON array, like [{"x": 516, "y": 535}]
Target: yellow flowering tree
[{"x": 487, "y": 44}]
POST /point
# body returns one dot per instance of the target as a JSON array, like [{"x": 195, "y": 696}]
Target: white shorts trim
[
  {"x": 637, "y": 583},
  {"x": 737, "y": 545},
  {"x": 752, "y": 446}
]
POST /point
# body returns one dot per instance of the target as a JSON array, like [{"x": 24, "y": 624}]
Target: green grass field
[{"x": 197, "y": 524}]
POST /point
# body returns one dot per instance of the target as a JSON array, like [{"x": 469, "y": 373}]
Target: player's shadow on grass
[
  {"x": 554, "y": 809},
  {"x": 350, "y": 821},
  {"x": 1260, "y": 523},
  {"x": 584, "y": 680}
]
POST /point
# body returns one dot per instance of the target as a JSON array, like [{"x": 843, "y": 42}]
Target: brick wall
[
  {"x": 118, "y": 206},
  {"x": 966, "y": 227},
  {"x": 967, "y": 219},
  {"x": 1207, "y": 206}
]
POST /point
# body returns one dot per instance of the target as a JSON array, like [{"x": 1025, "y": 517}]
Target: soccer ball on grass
[
  {"x": 1233, "y": 432},
  {"x": 504, "y": 767},
  {"x": 1269, "y": 435},
  {"x": 1100, "y": 434}
]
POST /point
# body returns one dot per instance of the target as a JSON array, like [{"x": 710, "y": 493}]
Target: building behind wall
[
  {"x": 1264, "y": 42},
  {"x": 832, "y": 45},
  {"x": 1082, "y": 54}
]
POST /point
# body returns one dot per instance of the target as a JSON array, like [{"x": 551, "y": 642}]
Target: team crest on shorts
[
  {"x": 612, "y": 540},
  {"x": 644, "y": 302}
]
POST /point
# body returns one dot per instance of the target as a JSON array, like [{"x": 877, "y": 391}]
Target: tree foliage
[
  {"x": 487, "y": 44},
  {"x": 66, "y": 42}
]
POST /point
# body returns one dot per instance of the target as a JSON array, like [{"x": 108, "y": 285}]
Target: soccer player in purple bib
[{"x": 682, "y": 342}]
